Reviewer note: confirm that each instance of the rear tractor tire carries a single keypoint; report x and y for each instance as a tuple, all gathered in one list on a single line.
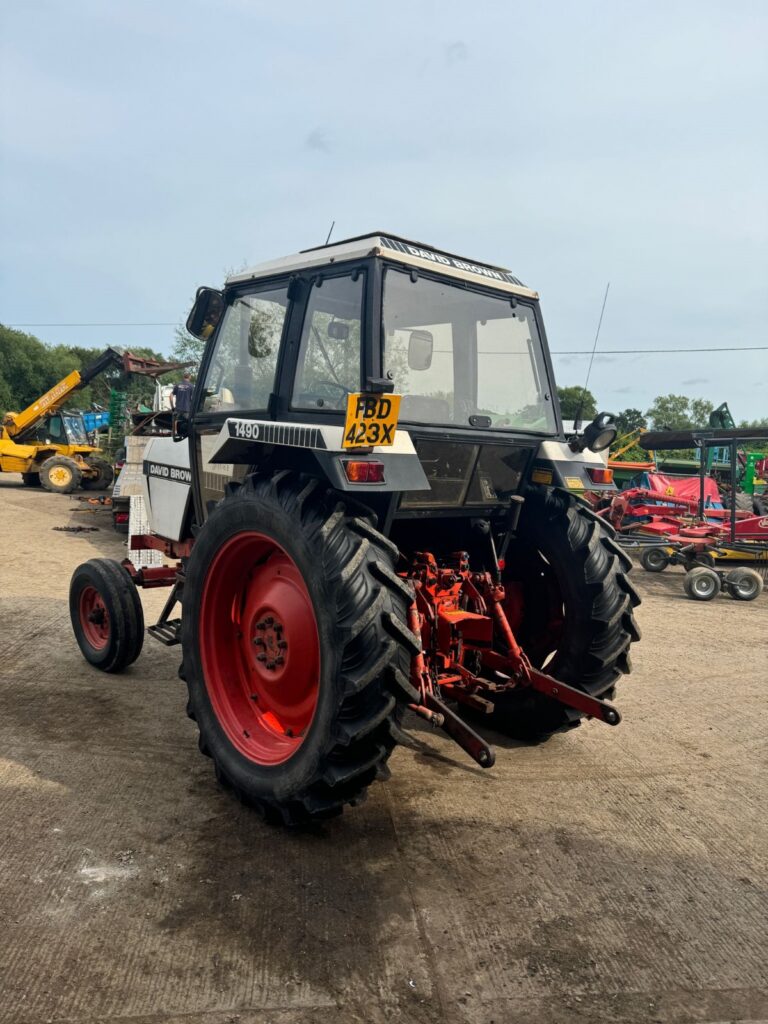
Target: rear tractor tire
[(296, 649), (104, 475), (570, 605), (106, 614), (701, 583), (60, 474), (654, 559)]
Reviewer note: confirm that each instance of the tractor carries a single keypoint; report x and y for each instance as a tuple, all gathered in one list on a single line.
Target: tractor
[(372, 512)]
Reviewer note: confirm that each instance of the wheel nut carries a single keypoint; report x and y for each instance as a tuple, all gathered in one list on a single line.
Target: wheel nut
[(268, 621), (261, 625), (261, 657), (279, 660), (282, 644)]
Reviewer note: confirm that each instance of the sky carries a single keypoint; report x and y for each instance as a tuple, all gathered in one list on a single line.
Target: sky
[(148, 148)]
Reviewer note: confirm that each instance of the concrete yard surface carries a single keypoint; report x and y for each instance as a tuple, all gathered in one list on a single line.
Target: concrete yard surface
[(610, 875)]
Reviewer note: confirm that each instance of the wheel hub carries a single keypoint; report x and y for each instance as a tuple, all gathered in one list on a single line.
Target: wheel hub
[(94, 618), (270, 643), (259, 647)]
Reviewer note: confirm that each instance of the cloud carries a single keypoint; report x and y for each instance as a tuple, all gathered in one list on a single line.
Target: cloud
[(622, 391), (318, 141), (695, 380), (455, 53)]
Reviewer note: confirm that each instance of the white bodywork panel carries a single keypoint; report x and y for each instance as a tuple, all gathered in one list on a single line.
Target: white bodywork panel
[(167, 482), (413, 254), (558, 451), (322, 437)]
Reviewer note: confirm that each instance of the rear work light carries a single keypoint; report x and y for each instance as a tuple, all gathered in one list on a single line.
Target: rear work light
[(600, 476), (364, 472)]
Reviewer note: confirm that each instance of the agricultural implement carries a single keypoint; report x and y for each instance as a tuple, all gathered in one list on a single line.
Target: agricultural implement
[(49, 446), (683, 521), (371, 509)]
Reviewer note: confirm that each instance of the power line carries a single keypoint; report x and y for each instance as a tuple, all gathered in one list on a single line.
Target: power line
[(169, 324), (647, 351), (555, 352)]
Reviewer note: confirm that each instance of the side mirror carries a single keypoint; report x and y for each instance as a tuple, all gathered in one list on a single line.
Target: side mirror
[(420, 347), (206, 313)]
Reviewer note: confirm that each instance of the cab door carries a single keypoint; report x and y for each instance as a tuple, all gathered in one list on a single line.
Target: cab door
[(237, 378)]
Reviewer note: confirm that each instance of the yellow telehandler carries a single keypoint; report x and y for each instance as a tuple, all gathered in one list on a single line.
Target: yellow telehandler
[(49, 446)]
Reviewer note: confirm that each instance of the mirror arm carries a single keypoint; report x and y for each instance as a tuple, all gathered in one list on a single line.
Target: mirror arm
[(379, 385)]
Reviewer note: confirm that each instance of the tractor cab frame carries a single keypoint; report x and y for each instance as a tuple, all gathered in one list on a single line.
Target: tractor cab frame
[(458, 347)]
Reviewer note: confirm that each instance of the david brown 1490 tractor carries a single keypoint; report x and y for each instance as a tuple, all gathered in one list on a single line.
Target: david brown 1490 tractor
[(372, 507)]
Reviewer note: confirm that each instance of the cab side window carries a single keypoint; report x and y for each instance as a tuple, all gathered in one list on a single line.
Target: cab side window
[(329, 357), (241, 374)]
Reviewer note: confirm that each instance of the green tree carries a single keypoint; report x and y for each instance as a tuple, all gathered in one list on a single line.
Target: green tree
[(630, 419), (575, 401), (678, 412), (29, 368), (187, 348)]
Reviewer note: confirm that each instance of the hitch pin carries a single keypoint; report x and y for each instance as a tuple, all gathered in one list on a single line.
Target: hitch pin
[(433, 717)]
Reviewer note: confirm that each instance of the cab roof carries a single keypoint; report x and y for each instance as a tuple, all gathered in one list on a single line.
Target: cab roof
[(392, 247)]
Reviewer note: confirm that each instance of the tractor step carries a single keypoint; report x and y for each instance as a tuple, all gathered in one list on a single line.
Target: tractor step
[(167, 632)]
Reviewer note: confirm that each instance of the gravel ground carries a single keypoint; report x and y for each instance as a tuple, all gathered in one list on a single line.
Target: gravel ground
[(609, 875)]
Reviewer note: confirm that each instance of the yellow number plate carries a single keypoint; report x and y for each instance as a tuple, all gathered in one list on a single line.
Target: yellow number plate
[(371, 420)]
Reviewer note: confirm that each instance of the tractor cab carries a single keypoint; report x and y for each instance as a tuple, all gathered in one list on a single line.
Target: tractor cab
[(65, 429), (431, 370)]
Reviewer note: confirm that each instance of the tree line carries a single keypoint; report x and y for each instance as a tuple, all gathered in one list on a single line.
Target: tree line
[(667, 412), (29, 368)]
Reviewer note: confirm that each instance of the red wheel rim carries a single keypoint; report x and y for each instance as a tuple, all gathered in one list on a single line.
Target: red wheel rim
[(94, 618), (259, 648)]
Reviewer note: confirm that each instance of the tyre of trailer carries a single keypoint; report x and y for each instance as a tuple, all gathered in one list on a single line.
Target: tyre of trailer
[(654, 559), (744, 584), (701, 583)]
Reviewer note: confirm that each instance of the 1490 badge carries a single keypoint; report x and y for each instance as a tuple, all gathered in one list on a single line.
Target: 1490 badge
[(371, 420)]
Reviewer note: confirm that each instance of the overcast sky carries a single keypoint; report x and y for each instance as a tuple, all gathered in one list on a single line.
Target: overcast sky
[(148, 148)]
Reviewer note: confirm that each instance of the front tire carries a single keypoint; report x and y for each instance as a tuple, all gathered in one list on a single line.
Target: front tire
[(296, 648), (570, 604), (106, 614), (60, 475)]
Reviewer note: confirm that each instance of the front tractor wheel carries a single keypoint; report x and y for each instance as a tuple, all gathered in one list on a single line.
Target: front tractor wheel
[(570, 604), (60, 474), (296, 648), (106, 614)]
